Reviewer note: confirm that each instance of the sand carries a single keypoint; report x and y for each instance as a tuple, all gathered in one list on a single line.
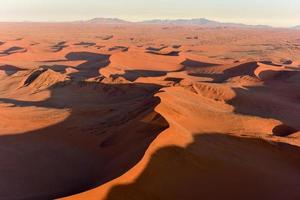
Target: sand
[(126, 111)]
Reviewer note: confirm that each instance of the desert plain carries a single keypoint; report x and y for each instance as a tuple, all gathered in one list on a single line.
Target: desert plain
[(148, 112)]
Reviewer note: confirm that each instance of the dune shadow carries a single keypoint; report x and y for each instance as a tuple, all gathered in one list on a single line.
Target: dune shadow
[(159, 53), (87, 149), (195, 68), (90, 68), (10, 69), (58, 68), (156, 48), (215, 167), (174, 79), (133, 75), (119, 48), (268, 102), (241, 70), (188, 63), (108, 130), (92, 63), (176, 46), (269, 62), (283, 130), (271, 75), (105, 37), (85, 44), (13, 50), (59, 46), (287, 62)]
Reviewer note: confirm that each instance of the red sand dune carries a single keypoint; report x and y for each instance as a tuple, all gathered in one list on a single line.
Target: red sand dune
[(144, 112)]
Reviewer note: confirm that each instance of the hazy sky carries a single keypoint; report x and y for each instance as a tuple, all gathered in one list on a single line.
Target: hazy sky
[(272, 12)]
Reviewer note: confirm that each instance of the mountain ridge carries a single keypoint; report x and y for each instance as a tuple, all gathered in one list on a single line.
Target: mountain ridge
[(180, 22), (199, 21), (184, 22)]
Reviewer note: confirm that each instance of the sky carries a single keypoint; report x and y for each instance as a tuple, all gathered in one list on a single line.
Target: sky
[(281, 13)]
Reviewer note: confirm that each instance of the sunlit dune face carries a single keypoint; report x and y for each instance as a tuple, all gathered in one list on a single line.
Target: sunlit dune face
[(20, 120)]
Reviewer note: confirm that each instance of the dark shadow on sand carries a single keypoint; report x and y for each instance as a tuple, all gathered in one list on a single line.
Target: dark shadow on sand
[(109, 128), (133, 75), (13, 50), (10, 69), (92, 63), (196, 68), (215, 167)]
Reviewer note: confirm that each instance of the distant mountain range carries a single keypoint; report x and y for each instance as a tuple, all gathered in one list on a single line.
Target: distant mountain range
[(195, 22), (200, 22), (177, 22), (107, 21)]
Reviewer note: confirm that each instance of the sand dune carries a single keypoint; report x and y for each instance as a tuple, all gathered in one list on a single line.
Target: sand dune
[(12, 50), (119, 48), (142, 111), (10, 69), (85, 44), (105, 37), (165, 53), (194, 174), (59, 46)]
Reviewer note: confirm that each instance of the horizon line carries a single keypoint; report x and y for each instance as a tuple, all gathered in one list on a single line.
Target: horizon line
[(144, 20)]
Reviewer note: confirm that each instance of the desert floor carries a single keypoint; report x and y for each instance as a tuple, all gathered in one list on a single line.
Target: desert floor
[(141, 112)]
